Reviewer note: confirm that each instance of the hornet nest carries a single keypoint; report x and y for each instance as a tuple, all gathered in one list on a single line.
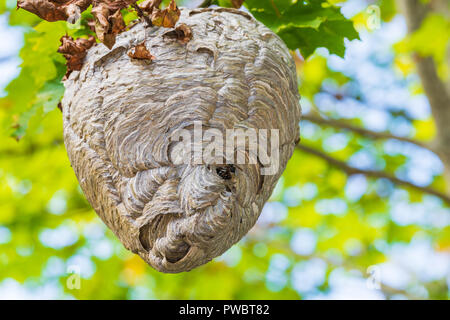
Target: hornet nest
[(120, 112)]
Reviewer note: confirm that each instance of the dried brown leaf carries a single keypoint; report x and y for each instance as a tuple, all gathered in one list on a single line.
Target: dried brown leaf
[(140, 52), (237, 3), (55, 10), (74, 51), (117, 23), (108, 19), (166, 18), (157, 17)]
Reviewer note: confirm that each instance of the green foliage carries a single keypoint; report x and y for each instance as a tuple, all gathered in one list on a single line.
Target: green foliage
[(38, 86), (305, 25), (431, 39), (387, 9)]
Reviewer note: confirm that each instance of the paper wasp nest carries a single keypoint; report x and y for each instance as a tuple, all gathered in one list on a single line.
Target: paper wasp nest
[(119, 114)]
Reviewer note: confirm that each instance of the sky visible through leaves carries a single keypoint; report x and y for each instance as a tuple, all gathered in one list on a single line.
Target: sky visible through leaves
[(324, 234)]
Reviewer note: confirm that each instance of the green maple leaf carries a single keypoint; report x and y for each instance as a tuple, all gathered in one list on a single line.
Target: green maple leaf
[(305, 25)]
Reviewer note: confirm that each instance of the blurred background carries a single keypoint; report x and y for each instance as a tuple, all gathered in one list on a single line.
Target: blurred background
[(361, 211)]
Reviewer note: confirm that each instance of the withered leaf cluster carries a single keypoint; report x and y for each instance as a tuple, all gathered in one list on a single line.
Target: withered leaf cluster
[(108, 17), (108, 22), (140, 52), (74, 51), (56, 10)]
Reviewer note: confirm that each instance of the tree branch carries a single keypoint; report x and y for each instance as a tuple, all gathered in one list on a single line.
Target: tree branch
[(437, 91), (364, 132), (29, 149), (370, 173)]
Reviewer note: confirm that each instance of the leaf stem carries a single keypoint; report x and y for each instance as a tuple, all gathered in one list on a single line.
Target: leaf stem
[(142, 15)]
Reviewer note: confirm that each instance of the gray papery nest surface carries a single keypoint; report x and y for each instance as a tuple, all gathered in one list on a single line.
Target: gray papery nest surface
[(120, 112)]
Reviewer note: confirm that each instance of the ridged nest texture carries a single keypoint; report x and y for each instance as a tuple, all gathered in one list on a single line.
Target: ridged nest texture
[(120, 112)]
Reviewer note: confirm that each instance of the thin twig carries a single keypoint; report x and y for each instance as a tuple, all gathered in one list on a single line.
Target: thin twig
[(371, 173), (142, 15), (364, 132)]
